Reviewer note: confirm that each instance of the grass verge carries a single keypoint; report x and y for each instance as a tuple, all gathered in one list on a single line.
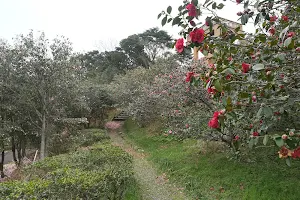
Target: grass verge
[(214, 176)]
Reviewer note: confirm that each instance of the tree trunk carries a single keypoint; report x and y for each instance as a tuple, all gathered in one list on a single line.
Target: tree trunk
[(19, 151), (43, 136), (23, 147), (13, 148), (2, 164)]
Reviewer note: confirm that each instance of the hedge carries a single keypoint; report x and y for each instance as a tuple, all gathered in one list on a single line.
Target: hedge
[(102, 172)]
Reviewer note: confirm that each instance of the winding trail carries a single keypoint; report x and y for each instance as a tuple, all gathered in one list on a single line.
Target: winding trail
[(154, 186)]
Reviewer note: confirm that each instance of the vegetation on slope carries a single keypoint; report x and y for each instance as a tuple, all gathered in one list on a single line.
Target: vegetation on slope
[(213, 175)]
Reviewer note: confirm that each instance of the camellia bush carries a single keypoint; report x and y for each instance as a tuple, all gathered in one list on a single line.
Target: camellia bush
[(163, 93), (252, 79)]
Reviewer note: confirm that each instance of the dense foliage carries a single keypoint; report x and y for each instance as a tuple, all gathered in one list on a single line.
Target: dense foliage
[(101, 171), (253, 82)]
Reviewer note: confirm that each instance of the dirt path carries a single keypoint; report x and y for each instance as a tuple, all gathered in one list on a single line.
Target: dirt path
[(154, 186)]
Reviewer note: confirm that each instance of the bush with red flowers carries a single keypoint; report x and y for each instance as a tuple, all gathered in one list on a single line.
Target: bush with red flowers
[(260, 78)]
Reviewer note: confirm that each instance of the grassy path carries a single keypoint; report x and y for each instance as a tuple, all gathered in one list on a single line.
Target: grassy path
[(153, 186)]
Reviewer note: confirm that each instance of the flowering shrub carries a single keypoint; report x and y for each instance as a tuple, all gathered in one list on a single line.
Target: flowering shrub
[(163, 93), (254, 78)]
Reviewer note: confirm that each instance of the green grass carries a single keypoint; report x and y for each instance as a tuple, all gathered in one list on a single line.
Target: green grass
[(133, 192), (203, 176)]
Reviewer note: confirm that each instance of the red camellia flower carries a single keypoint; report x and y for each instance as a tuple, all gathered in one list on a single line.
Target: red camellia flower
[(179, 45), (192, 10), (296, 153), (189, 76), (197, 35), (285, 18), (213, 123), (246, 67), (228, 76), (255, 134), (272, 30), (238, 1), (236, 138), (216, 114), (291, 34), (211, 91), (273, 18), (277, 113), (254, 98), (284, 152)]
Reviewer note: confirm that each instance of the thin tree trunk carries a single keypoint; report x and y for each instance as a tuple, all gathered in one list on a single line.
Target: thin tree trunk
[(2, 164), (43, 137), (19, 151), (13, 148), (23, 147)]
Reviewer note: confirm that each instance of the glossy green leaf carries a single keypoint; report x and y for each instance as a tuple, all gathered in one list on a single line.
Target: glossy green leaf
[(255, 140), (159, 15), (244, 19), (279, 141), (228, 71), (176, 20), (258, 67), (218, 85), (259, 113), (220, 6), (180, 8), (195, 2), (169, 9), (265, 140), (164, 20), (288, 161), (257, 18), (214, 5), (268, 112), (288, 41), (251, 143)]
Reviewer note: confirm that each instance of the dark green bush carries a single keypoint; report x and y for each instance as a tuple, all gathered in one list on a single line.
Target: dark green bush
[(77, 138), (91, 137), (100, 172)]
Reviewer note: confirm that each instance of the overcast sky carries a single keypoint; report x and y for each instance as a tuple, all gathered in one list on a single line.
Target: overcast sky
[(89, 23)]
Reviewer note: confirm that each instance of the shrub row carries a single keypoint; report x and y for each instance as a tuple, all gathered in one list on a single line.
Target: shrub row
[(78, 138), (98, 172)]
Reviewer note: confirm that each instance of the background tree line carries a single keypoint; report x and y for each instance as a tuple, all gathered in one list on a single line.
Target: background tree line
[(43, 81)]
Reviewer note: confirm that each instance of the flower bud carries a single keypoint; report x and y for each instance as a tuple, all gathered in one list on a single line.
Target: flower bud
[(222, 112), (284, 136)]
